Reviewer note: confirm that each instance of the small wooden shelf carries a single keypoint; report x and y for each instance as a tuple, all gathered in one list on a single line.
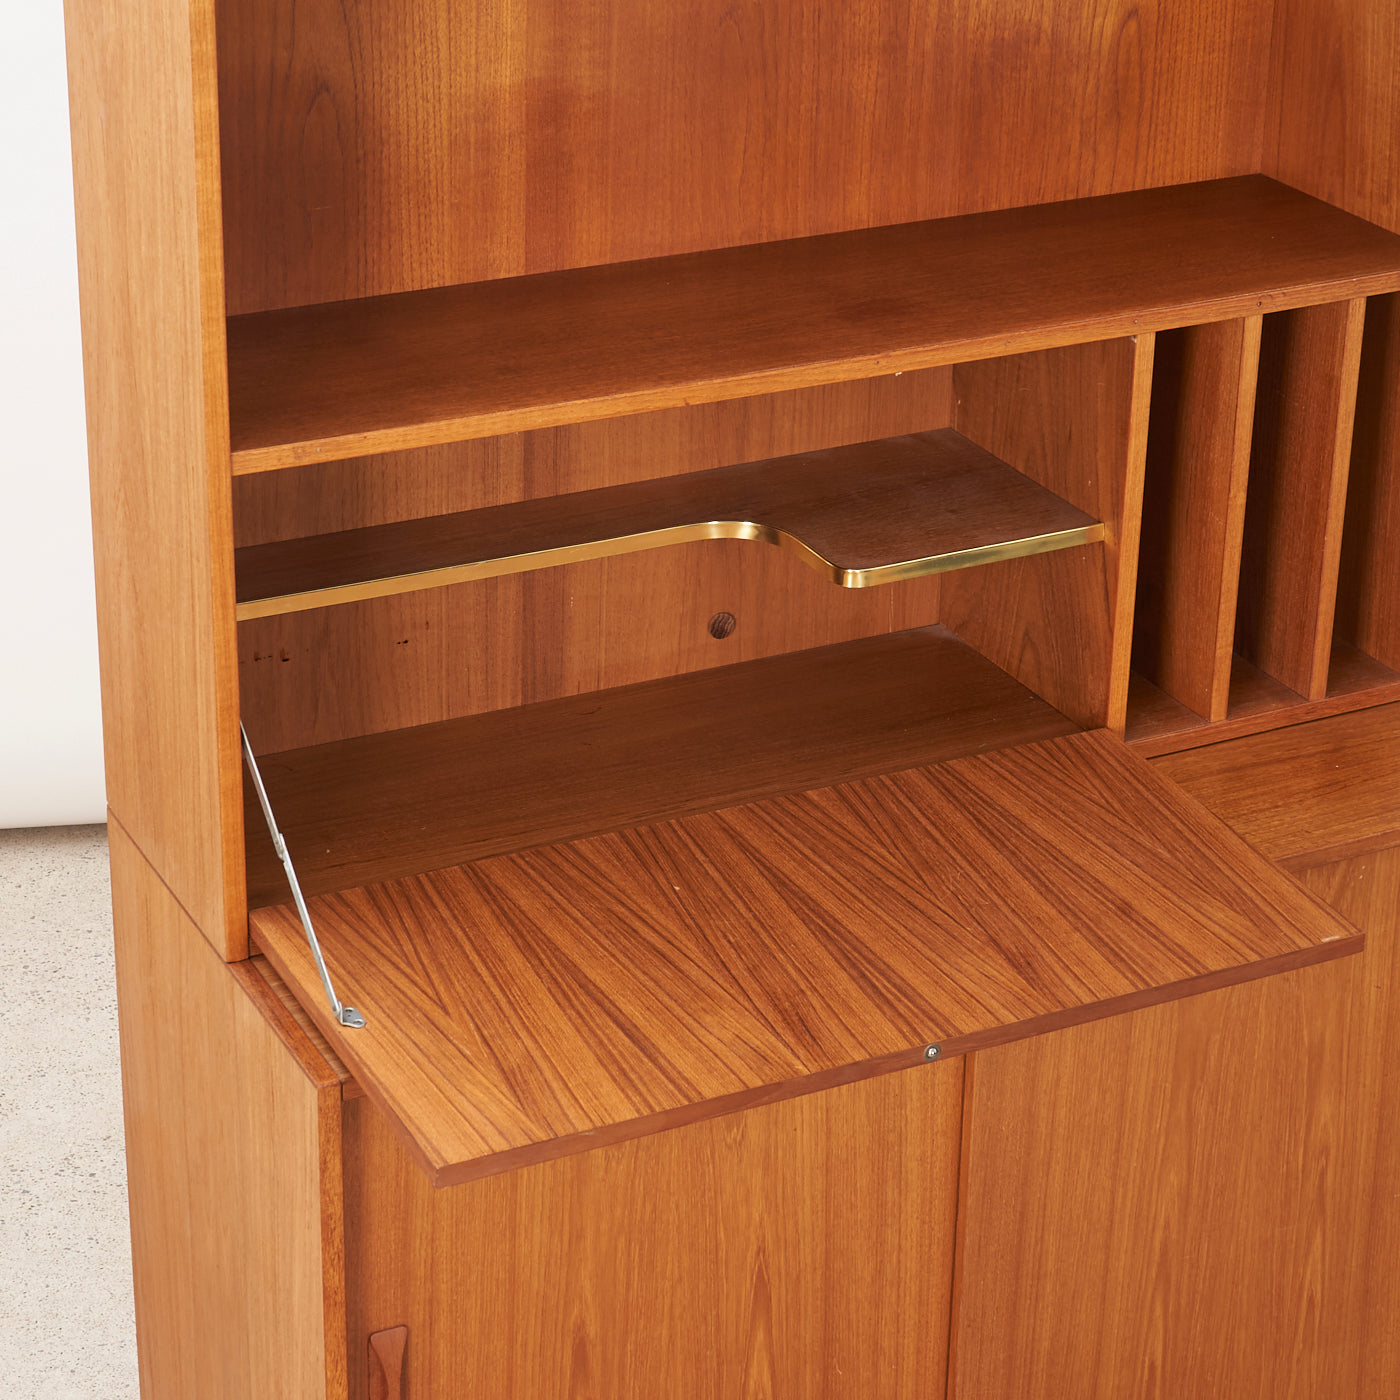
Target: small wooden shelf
[(383, 373), (1306, 796), (532, 1005), (1158, 724), (872, 513), (398, 803)]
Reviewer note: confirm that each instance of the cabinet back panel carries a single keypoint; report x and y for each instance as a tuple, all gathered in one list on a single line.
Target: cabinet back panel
[(311, 677), (428, 481), (1335, 107), (372, 149), (336, 673)]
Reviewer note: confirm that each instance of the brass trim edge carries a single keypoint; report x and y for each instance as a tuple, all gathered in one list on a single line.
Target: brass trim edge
[(895, 572)]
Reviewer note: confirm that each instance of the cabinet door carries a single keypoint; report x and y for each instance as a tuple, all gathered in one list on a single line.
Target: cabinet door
[(1191, 1200), (794, 1251), (233, 1171)]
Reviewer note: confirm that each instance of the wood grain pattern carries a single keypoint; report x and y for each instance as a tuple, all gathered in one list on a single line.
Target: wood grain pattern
[(1193, 510), (1368, 595), (796, 1250), (385, 487), (233, 1166), (1363, 1011), (416, 368), (1121, 1232), (861, 515), (1333, 106), (1075, 420), (1158, 724), (1314, 792), (259, 968), (1308, 366), (335, 673), (533, 1005), (1107, 95), (1353, 673), (529, 640), (1163, 1204), (371, 151), (414, 800), (146, 173)]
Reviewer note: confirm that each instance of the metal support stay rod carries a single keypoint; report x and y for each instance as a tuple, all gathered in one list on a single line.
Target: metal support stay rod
[(346, 1015)]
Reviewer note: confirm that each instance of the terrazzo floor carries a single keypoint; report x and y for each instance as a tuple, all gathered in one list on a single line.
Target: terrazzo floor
[(66, 1330)]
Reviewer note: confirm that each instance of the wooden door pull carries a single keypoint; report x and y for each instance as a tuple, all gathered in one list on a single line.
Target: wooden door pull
[(386, 1363)]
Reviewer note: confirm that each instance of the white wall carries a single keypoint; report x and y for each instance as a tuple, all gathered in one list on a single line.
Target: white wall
[(50, 732)]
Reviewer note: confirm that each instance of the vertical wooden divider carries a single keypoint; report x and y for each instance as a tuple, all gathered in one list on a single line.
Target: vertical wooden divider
[(1368, 592), (1193, 510), (1308, 365), (150, 267), (1075, 420)]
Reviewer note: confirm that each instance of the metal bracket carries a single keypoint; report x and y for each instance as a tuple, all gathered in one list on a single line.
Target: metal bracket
[(346, 1015)]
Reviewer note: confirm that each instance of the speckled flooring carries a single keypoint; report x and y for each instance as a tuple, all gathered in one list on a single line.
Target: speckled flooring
[(65, 1261)]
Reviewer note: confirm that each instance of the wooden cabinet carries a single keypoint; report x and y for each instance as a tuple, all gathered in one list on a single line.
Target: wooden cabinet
[(705, 513)]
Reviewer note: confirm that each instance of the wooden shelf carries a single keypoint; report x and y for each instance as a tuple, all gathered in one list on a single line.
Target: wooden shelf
[(532, 1005), (412, 800), (872, 513), (1324, 791), (383, 373), (1158, 724)]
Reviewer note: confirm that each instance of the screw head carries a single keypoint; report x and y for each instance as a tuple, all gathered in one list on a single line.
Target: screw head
[(933, 1052)]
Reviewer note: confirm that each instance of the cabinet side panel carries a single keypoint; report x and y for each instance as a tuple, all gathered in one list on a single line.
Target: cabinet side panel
[(790, 1251), (146, 172), (233, 1151), (1075, 420), (378, 148), (1190, 1200)]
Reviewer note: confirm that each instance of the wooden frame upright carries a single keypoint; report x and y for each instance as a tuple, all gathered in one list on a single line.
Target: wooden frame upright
[(745, 1014)]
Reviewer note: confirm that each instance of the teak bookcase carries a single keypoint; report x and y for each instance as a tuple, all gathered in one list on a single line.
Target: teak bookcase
[(816, 590)]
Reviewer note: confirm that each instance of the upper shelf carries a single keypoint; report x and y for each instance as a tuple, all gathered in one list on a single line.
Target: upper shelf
[(871, 513), (384, 373)]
